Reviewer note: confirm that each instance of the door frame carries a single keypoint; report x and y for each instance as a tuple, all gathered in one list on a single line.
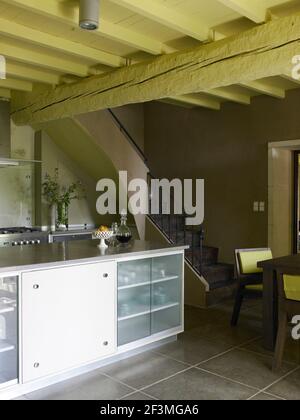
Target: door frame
[(296, 185)]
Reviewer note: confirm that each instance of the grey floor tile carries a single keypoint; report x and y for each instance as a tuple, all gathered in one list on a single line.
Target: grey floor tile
[(88, 387), (197, 385), (138, 396), (226, 334), (288, 388), (144, 369), (248, 368), (292, 350), (265, 397), (193, 350), (20, 399)]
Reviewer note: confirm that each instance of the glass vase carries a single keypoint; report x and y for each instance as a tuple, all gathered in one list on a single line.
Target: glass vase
[(62, 216)]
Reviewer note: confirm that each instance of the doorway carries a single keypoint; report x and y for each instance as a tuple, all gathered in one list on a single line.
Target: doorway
[(296, 210)]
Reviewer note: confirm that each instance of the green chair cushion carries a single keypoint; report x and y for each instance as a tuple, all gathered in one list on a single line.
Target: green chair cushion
[(250, 259), (255, 287), (292, 287)]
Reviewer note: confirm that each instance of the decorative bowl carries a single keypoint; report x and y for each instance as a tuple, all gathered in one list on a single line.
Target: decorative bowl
[(103, 236)]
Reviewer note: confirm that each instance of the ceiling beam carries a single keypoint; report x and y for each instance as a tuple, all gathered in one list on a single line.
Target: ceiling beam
[(16, 84), (23, 71), (234, 60), (230, 96), (5, 93), (26, 55), (43, 39), (265, 89), (195, 101), (290, 78), (168, 17), (69, 15), (251, 9)]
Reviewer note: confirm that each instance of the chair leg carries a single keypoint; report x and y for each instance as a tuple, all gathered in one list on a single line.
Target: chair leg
[(237, 306), (281, 339)]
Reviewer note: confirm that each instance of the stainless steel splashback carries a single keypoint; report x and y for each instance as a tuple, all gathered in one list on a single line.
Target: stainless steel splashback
[(5, 143)]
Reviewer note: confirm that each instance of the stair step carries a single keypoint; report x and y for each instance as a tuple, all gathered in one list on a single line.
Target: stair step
[(218, 275), (210, 255), (188, 238), (166, 222)]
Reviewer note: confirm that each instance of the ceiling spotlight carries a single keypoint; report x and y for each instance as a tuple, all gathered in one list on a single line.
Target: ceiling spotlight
[(89, 14)]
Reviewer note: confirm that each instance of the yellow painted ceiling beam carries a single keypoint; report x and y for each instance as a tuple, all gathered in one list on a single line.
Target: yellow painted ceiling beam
[(230, 96), (5, 93), (69, 15), (265, 89), (195, 101), (255, 54), (16, 84), (44, 60), (167, 16), (252, 9), (23, 71), (43, 39), (290, 78)]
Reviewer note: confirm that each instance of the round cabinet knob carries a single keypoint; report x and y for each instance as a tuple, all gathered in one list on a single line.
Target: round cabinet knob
[(36, 286), (36, 365), (105, 344), (105, 275)]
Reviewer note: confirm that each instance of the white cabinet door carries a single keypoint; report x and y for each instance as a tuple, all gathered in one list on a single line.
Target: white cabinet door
[(68, 318)]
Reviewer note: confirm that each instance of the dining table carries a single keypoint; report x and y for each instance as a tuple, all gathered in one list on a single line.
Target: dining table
[(270, 295)]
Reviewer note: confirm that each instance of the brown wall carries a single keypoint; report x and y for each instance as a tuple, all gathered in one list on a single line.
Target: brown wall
[(227, 148)]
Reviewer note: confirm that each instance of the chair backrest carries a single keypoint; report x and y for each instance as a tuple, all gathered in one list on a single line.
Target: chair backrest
[(246, 260), (289, 284)]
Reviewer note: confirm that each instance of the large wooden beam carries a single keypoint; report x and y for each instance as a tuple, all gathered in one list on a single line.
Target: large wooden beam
[(261, 52)]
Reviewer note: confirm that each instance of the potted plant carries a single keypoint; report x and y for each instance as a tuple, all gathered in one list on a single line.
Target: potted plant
[(60, 197)]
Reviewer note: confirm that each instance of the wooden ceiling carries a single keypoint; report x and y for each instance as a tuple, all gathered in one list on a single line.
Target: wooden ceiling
[(43, 43)]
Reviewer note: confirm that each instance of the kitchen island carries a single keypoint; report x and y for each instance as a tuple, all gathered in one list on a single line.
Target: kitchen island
[(69, 308)]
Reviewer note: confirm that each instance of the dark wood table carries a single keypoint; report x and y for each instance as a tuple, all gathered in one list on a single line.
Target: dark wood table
[(270, 304)]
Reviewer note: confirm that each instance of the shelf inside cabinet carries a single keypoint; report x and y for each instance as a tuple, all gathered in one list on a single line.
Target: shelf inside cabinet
[(132, 286), (153, 309), (4, 347), (165, 279), (5, 309)]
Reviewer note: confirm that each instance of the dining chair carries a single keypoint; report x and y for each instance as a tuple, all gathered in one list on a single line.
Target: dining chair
[(249, 276), (289, 305)]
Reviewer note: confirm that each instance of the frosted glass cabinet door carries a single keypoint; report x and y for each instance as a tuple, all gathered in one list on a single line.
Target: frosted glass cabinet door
[(166, 293), (134, 300), (8, 329)]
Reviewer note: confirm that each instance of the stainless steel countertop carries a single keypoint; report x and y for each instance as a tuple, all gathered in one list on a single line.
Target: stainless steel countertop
[(31, 257)]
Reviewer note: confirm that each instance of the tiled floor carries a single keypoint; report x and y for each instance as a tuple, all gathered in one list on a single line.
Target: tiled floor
[(210, 361)]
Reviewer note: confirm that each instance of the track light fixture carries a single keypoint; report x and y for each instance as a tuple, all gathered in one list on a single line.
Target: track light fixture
[(89, 14)]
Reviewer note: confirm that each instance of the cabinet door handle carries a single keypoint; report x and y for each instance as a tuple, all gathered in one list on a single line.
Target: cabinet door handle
[(105, 344), (36, 365), (36, 286), (106, 275)]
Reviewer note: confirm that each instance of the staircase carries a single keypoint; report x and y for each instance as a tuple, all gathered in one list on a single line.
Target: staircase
[(203, 259), (217, 278)]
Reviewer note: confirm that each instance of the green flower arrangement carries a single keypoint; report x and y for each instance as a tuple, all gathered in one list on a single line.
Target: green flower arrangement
[(61, 196)]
